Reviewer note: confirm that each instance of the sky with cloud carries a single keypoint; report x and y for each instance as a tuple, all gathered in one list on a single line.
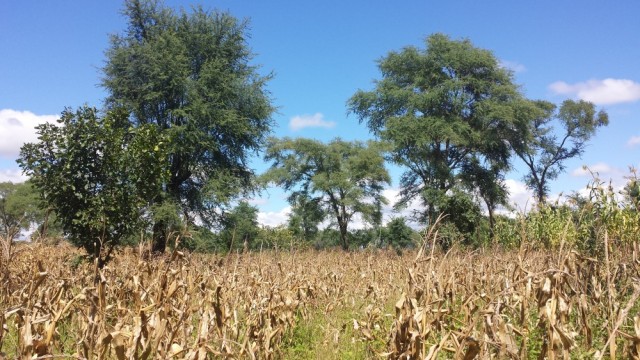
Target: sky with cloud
[(320, 53)]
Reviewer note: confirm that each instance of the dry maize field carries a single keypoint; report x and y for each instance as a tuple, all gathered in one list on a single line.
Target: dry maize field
[(524, 303)]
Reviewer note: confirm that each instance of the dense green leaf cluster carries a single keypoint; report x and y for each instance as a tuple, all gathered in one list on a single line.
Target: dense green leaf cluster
[(97, 173)]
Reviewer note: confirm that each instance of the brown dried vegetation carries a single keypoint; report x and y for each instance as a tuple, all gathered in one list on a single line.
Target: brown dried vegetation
[(480, 304)]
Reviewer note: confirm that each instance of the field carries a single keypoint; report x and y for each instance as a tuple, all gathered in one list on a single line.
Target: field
[(523, 303)]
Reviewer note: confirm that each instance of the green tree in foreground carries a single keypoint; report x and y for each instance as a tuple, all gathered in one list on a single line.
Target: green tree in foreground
[(447, 111), (577, 121), (97, 174), (189, 75), (346, 178)]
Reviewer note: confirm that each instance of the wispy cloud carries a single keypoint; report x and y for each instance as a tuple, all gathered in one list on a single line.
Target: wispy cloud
[(520, 197), (300, 122), (13, 175), (601, 92), (634, 141), (600, 168), (257, 201), (513, 66), (18, 128)]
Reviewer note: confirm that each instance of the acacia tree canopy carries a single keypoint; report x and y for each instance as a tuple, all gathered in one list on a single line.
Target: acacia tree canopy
[(189, 74), (445, 109), (558, 134), (345, 178)]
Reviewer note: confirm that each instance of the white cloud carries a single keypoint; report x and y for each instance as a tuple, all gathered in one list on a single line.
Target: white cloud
[(601, 92), (17, 128), (513, 66), (600, 168), (12, 175), (520, 197), (300, 122), (634, 141), (274, 218)]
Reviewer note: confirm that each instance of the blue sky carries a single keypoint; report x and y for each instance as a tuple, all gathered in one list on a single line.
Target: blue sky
[(321, 52)]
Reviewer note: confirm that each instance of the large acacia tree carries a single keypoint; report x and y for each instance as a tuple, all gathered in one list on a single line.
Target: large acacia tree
[(189, 74), (448, 110), (344, 178)]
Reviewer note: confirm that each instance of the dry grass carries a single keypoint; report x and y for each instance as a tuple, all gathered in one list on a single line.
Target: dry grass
[(525, 303)]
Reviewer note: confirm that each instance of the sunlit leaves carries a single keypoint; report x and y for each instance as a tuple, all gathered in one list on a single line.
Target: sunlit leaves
[(97, 173)]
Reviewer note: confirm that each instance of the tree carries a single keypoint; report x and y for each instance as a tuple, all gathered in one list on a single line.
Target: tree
[(240, 226), (189, 75), (445, 110), (547, 152), (345, 178), (398, 234), (98, 175), (20, 207), (490, 187), (306, 214)]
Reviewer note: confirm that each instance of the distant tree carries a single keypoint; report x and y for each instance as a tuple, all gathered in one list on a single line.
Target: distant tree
[(346, 178), (240, 226), (398, 234), (20, 207), (557, 135), (490, 186), (306, 214), (98, 175), (189, 75), (445, 110)]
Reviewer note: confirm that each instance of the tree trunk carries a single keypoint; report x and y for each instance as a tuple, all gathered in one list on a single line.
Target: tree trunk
[(540, 194), (159, 238), (343, 236), (492, 224)]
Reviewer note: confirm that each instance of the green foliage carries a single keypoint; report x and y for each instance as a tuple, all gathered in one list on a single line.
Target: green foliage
[(202, 240), (279, 238), (463, 222), (546, 152), (508, 232), (240, 227), (631, 190), (97, 173), (189, 75), (327, 238), (306, 214), (343, 178), (398, 234), (582, 222), (450, 113), (20, 207), (362, 238)]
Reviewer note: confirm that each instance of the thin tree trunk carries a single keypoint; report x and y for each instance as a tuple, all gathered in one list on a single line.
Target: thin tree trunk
[(159, 237), (343, 236)]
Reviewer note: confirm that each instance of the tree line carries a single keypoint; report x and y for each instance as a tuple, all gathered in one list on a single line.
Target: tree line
[(186, 110)]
